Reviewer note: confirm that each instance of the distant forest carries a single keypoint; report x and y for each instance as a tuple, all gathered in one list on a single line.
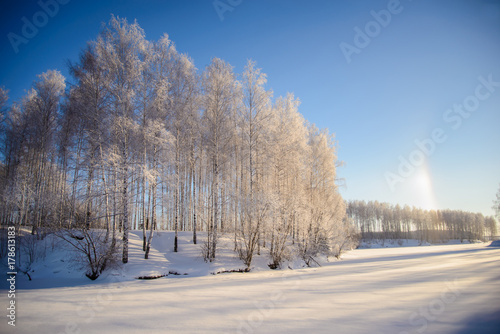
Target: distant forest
[(383, 221)]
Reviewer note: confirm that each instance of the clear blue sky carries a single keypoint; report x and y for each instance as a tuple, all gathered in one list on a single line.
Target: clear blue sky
[(395, 90)]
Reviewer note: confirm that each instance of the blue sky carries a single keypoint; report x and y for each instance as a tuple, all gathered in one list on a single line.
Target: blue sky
[(395, 90)]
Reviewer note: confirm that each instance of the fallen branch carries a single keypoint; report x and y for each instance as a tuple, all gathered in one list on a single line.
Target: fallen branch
[(314, 261)]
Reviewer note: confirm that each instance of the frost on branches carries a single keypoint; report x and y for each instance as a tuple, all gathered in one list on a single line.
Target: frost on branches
[(141, 139)]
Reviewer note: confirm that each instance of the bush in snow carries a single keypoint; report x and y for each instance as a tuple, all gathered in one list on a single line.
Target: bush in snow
[(95, 249), (32, 249), (344, 239)]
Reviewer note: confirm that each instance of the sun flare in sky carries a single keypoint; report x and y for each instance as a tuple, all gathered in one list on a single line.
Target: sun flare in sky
[(422, 188)]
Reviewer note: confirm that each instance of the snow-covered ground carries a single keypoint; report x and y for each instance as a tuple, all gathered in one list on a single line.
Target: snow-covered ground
[(433, 289)]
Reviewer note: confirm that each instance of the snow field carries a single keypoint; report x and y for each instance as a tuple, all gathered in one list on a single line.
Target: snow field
[(434, 289)]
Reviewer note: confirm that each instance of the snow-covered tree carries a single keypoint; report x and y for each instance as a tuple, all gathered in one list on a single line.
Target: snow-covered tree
[(40, 114), (288, 154), (253, 119), (4, 98), (220, 94), (325, 207), (4, 111), (119, 48)]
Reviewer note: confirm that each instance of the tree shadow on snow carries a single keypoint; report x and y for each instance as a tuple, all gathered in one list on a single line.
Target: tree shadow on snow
[(495, 243)]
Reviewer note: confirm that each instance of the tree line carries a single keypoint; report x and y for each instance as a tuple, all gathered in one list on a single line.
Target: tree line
[(384, 221), (139, 138)]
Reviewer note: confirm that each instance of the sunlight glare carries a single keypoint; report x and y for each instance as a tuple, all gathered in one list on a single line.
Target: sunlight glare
[(423, 189)]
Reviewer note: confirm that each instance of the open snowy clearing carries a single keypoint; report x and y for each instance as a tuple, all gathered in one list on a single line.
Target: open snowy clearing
[(433, 289)]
